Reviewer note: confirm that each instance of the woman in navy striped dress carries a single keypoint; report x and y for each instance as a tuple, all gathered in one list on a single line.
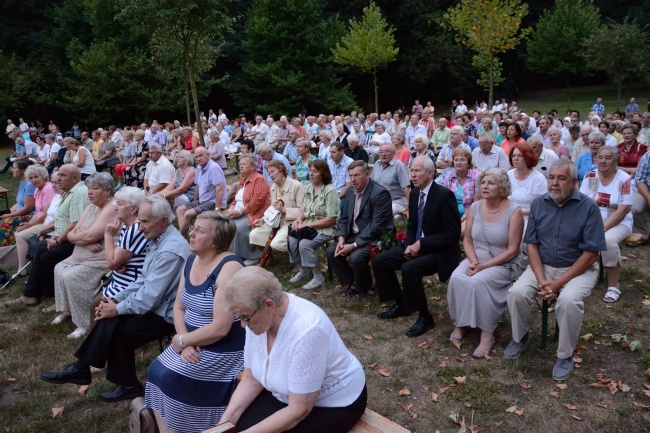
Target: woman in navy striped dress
[(190, 383)]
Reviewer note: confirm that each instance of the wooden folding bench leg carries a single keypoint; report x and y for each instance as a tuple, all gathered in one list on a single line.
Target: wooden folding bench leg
[(372, 422)]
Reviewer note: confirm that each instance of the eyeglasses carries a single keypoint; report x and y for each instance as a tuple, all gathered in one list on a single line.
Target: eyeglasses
[(247, 319)]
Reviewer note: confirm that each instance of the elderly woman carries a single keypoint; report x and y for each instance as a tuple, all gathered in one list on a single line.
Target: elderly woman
[(287, 197), (180, 190), (610, 188), (326, 139), (319, 212), (421, 149), (106, 154), (126, 153), (298, 374), (134, 173), (304, 158), (217, 150), (586, 162), (461, 180), (190, 141), (561, 150), (251, 200), (402, 153), (630, 149), (82, 158), (604, 127), (526, 183), (43, 150), (478, 287), (76, 278), (190, 383), (22, 211), (248, 147), (513, 136)]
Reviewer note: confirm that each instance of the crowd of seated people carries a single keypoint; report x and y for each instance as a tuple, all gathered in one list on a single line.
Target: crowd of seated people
[(498, 185)]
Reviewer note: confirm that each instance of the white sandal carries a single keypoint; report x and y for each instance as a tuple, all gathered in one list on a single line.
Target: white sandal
[(77, 333), (60, 319), (612, 295)]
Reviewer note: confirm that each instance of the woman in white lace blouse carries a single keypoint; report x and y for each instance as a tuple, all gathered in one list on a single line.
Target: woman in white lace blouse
[(298, 374)]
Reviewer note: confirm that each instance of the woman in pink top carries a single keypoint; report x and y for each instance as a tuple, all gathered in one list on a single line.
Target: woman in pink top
[(561, 150), (401, 152), (513, 136)]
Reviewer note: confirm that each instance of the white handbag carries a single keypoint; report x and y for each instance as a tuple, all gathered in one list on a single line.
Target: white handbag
[(272, 217)]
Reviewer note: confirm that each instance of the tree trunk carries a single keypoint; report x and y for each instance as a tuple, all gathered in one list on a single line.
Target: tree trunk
[(491, 81), (374, 80), (195, 99), (187, 102), (618, 94)]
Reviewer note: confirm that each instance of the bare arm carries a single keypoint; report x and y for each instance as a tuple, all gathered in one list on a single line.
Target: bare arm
[(95, 232), (615, 219), (247, 391), (28, 206)]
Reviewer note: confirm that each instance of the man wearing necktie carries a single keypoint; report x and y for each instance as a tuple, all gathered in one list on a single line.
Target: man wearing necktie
[(431, 246)]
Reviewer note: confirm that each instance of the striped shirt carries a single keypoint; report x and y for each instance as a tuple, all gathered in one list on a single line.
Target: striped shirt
[(132, 240)]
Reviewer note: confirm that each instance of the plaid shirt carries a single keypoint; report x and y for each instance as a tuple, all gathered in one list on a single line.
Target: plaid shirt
[(598, 108), (643, 170), (469, 188)]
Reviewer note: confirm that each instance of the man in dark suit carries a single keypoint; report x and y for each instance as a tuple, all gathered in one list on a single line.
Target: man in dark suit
[(369, 210), (431, 246)]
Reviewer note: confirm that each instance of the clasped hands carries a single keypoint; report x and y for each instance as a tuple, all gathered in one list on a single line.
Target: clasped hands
[(190, 354), (549, 290), (343, 249), (106, 309)]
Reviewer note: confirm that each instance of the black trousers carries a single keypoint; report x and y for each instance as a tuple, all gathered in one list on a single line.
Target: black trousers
[(7, 166), (319, 420), (40, 283), (411, 297), (112, 343), (356, 269)]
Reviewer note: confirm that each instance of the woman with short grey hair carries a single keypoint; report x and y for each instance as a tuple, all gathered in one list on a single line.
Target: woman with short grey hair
[(77, 278), (586, 162), (304, 373), (180, 190)]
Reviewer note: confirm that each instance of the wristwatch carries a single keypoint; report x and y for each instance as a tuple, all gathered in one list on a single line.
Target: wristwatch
[(354, 244)]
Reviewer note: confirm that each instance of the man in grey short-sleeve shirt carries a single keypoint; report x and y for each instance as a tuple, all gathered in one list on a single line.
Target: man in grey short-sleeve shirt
[(392, 175), (564, 235)]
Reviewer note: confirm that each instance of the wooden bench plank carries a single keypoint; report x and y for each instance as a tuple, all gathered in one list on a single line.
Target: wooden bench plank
[(372, 422), (634, 238)]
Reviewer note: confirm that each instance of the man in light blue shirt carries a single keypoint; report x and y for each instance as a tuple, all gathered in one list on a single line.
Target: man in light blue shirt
[(141, 313), (268, 154), (338, 164), (414, 129), (598, 107), (290, 149)]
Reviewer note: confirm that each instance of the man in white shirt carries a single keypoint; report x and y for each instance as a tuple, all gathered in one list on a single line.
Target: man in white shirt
[(159, 172), (378, 138), (462, 108), (222, 115), (116, 136), (147, 132), (414, 129), (542, 132), (10, 128), (487, 155), (24, 127), (273, 134), (258, 132), (211, 115), (224, 138), (546, 157)]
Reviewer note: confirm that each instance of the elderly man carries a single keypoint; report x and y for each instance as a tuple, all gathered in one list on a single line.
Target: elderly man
[(10, 128), (440, 136), (159, 172), (582, 144), (368, 212), (355, 150), (428, 122), (542, 131), (446, 155), (378, 138), (141, 313), (357, 129), (209, 194), (290, 151), (545, 157), (147, 132), (431, 246), (564, 235), (414, 129), (392, 175), (86, 141), (338, 164), (461, 108), (273, 134), (487, 155), (74, 199), (158, 137), (641, 200), (266, 152), (257, 132), (285, 129)]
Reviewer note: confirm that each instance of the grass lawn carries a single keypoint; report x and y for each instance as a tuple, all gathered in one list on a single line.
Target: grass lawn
[(418, 383), (582, 98)]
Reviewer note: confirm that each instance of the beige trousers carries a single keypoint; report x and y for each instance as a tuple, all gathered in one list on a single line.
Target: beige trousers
[(22, 238), (259, 236), (569, 308), (614, 237)]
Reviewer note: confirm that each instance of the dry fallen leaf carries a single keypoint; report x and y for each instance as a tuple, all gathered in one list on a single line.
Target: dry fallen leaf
[(384, 373), (11, 379), (511, 409), (524, 385), (441, 317), (646, 386), (15, 328), (647, 372), (555, 394), (83, 389), (457, 344), (577, 418), (488, 357), (389, 389), (646, 302), (623, 387), (434, 397), (561, 386), (404, 391), (587, 337), (468, 404), (367, 337), (613, 387), (646, 392), (641, 406), (577, 360), (460, 379), (604, 406), (499, 423), (441, 390), (373, 366), (57, 411), (459, 359), (406, 407), (424, 345), (598, 385), (570, 406), (442, 364), (519, 412)]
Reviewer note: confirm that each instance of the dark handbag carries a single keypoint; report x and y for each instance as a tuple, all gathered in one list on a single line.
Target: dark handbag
[(36, 247), (304, 233)]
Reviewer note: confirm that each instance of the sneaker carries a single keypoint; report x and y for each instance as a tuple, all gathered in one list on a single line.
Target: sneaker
[(298, 277), (314, 284), (514, 349), (563, 368)]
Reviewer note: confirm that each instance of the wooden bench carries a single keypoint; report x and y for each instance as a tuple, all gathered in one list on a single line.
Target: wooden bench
[(4, 193), (370, 422)]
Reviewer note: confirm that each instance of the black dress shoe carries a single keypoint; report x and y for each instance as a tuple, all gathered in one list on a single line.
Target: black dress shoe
[(121, 392), (422, 325), (393, 312), (349, 291), (70, 374)]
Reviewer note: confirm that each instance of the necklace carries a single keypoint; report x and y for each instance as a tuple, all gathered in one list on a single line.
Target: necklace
[(494, 211)]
